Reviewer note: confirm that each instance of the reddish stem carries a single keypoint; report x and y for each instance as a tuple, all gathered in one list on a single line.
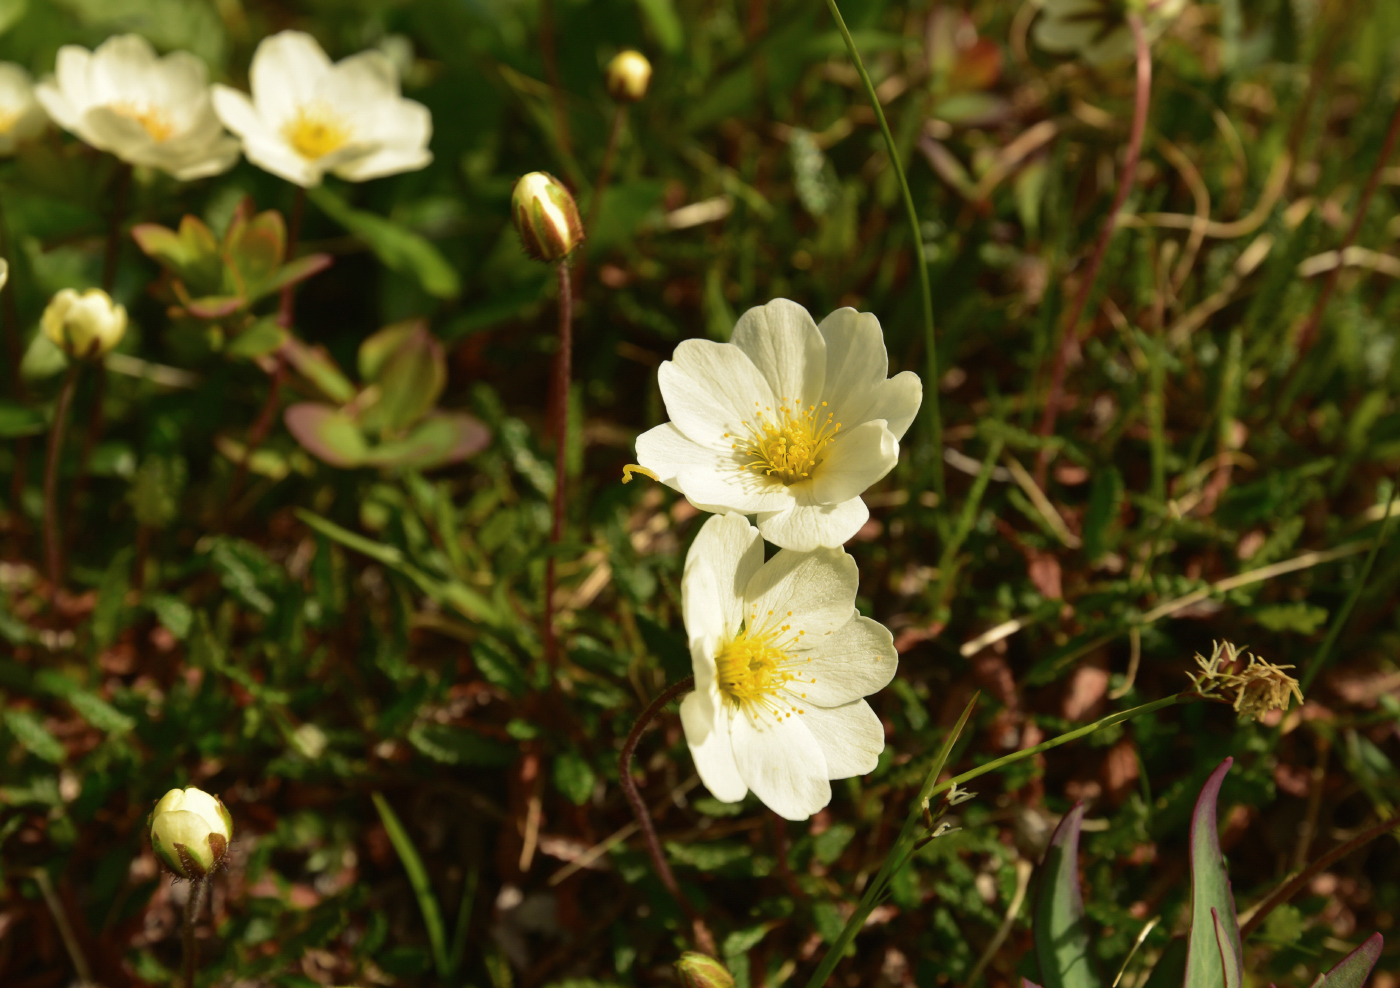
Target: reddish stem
[(563, 371), (704, 940), (286, 313), (53, 528), (1086, 286), (1309, 330)]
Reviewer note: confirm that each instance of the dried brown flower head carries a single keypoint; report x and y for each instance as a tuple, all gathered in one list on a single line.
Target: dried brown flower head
[(1253, 690)]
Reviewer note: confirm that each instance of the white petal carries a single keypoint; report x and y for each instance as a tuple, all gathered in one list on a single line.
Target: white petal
[(782, 763), (286, 70), (57, 105), (851, 737), (389, 161), (711, 389), (71, 78), (218, 158), (783, 342), (705, 719), (856, 366), (815, 592), (665, 451), (277, 158), (852, 463), (897, 402), (237, 113), (808, 526), (121, 70), (729, 487), (722, 560), (856, 660)]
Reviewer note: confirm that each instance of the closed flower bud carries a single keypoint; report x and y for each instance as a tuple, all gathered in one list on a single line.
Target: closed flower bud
[(86, 325), (629, 75), (546, 217), (703, 971), (190, 831)]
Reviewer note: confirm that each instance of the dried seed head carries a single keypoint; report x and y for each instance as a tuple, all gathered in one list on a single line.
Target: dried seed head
[(1254, 690)]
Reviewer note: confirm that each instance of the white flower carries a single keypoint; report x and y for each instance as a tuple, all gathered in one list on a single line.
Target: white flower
[(791, 421), (86, 325), (782, 661), (308, 117), (190, 831), (1098, 30), (21, 117), (125, 99)]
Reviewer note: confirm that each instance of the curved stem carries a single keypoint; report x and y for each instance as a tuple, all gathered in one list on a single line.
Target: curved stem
[(563, 371), (1126, 177), (935, 416), (704, 940), (605, 169), (193, 905), (53, 528)]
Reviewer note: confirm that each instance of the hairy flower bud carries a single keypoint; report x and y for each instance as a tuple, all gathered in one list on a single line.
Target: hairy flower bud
[(703, 971), (190, 831), (628, 75), (546, 217), (86, 325)]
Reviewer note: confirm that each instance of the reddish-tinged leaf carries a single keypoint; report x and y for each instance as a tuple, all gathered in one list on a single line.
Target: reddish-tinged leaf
[(1061, 939), (320, 371), (296, 272), (1230, 964), (1353, 969), (327, 434), (442, 438), (1210, 893)]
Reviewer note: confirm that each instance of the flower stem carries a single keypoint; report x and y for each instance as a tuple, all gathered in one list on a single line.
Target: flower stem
[(704, 940), (935, 415), (198, 890), (1126, 177), (562, 374), (605, 169), (114, 227), (904, 845), (286, 312), (53, 528)]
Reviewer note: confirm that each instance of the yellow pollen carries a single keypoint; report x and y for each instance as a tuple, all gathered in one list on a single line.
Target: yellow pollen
[(315, 131), (8, 118), (755, 670), (153, 119), (788, 445)]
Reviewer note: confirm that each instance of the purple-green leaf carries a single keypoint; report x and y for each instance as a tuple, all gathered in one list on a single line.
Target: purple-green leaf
[(1353, 969), (441, 438), (1211, 899), (1061, 939), (410, 381), (320, 371), (328, 434)]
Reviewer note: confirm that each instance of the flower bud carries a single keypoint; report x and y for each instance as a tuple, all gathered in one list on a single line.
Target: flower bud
[(190, 831), (628, 75), (86, 325), (545, 217), (703, 971)]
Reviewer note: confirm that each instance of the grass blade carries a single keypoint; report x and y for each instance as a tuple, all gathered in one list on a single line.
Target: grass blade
[(418, 878), (1061, 939)]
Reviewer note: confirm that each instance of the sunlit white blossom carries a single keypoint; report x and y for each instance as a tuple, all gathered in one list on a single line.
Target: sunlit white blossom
[(791, 421), (21, 116), (782, 663), (149, 110), (308, 116)]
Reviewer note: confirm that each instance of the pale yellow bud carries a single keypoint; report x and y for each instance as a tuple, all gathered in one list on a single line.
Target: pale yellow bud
[(703, 971), (546, 217), (628, 75), (86, 325), (190, 832)]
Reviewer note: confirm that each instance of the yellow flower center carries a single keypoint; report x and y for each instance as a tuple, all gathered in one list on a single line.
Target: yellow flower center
[(8, 118), (788, 445), (153, 119), (316, 131), (756, 670)]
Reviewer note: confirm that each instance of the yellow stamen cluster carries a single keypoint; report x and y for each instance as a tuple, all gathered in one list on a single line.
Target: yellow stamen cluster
[(8, 118), (788, 445), (1254, 690), (153, 119), (316, 131), (759, 665)]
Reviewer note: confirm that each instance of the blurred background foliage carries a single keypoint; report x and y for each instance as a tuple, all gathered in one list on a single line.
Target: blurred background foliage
[(303, 640)]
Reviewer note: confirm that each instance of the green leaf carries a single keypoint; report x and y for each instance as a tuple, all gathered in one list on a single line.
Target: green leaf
[(665, 23), (440, 439), (1211, 897), (1297, 616), (397, 246), (455, 746), (111, 597), (418, 878), (174, 615), (30, 732), (828, 845), (1105, 502), (1061, 939), (91, 707), (574, 777), (1353, 969), (410, 381), (328, 434), (257, 340), (11, 11), (17, 420), (316, 365)]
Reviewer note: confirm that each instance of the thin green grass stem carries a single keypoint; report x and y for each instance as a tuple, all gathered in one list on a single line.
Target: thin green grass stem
[(422, 887), (1324, 651), (903, 849), (931, 409), (947, 562)]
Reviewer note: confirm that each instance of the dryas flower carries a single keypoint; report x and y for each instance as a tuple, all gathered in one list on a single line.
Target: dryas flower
[(86, 325), (307, 117), (546, 217), (21, 117), (190, 832), (702, 971), (791, 421), (125, 99), (782, 663), (628, 76), (1097, 30)]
